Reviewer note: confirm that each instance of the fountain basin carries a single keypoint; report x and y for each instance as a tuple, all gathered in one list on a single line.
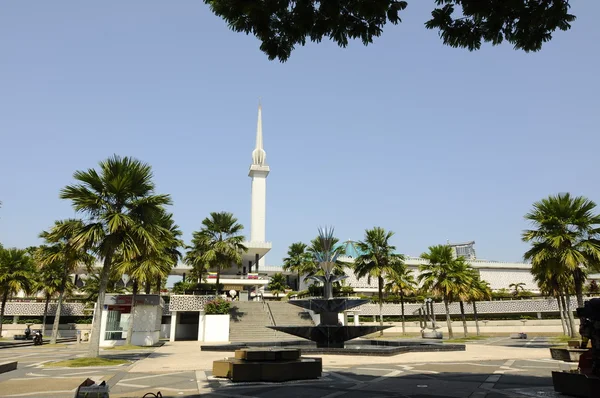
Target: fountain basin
[(329, 336), (356, 347)]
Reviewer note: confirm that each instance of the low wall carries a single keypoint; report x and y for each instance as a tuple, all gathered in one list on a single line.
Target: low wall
[(516, 306), (69, 330), (26, 308), (550, 326)]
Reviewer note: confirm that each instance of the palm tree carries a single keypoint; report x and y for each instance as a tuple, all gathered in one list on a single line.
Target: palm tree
[(441, 276), (91, 285), (122, 212), (557, 285), (377, 260), (464, 275), (277, 284), (519, 286), (401, 282), (152, 265), (61, 252), (218, 244), (566, 229), (298, 260), (479, 290), (49, 282), (17, 273)]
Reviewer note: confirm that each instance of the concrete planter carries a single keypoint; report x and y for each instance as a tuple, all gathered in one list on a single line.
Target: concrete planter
[(216, 328), (576, 384), (567, 354)]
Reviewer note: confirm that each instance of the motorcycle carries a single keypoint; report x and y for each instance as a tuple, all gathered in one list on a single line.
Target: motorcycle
[(37, 338)]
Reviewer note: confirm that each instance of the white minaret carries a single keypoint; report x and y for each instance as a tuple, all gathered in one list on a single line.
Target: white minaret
[(258, 172)]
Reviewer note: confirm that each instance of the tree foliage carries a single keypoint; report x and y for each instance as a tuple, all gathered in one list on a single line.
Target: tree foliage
[(281, 25), (377, 259), (277, 284), (122, 216), (565, 239), (17, 272), (217, 245)]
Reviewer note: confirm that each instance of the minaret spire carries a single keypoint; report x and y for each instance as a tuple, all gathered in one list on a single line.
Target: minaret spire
[(259, 155)]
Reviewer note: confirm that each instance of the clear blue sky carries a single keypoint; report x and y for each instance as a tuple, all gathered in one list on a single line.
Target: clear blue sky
[(431, 142)]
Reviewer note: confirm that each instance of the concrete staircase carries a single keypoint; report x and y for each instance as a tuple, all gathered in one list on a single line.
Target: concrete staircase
[(249, 320), (286, 314)]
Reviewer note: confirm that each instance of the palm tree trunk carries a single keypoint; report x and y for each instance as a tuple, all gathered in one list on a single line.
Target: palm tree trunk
[(565, 315), (130, 325), (4, 299), (402, 306), (464, 319), (218, 280), (563, 322), (448, 320), (57, 317), (147, 287), (298, 282), (380, 284), (94, 348), (476, 317), (579, 279), (61, 295), (45, 314), (570, 314), (158, 284)]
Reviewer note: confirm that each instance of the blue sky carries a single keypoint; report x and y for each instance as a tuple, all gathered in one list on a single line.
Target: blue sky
[(431, 142)]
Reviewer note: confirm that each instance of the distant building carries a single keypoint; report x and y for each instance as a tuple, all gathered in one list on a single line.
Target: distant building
[(466, 250)]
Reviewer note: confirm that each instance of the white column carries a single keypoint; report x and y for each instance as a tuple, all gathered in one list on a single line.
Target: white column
[(173, 325), (356, 320), (103, 320), (201, 325), (258, 219)]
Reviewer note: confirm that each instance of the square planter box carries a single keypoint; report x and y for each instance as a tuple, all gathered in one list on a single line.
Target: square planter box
[(576, 384), (216, 328)]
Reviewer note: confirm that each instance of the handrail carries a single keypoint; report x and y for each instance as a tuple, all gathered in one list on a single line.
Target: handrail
[(271, 317)]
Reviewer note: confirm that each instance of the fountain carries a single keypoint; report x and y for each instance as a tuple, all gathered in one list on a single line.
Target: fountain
[(330, 336), (329, 333)]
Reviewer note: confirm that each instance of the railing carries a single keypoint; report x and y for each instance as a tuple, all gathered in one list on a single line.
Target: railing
[(271, 317), (236, 277)]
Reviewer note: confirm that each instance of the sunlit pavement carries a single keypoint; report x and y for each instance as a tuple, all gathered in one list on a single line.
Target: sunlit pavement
[(344, 377)]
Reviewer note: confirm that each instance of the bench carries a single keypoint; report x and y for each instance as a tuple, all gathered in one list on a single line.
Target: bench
[(8, 366)]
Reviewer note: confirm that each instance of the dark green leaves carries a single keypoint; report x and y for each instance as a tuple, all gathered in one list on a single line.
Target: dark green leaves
[(280, 25), (526, 24)]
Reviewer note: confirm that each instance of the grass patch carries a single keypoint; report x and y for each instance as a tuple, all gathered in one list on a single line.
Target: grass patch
[(562, 339), (129, 347), (466, 339), (84, 362)]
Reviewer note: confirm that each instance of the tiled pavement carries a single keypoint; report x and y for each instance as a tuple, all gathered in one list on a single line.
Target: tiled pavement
[(468, 379)]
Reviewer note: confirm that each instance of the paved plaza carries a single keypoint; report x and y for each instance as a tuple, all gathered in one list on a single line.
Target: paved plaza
[(492, 368)]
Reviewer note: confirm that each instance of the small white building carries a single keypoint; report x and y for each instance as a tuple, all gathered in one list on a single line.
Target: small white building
[(119, 310)]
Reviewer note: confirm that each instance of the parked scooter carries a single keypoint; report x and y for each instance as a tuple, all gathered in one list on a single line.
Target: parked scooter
[(37, 337)]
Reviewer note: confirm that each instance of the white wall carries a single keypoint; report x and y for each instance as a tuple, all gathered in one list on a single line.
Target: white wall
[(501, 279), (146, 326), (216, 328)]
